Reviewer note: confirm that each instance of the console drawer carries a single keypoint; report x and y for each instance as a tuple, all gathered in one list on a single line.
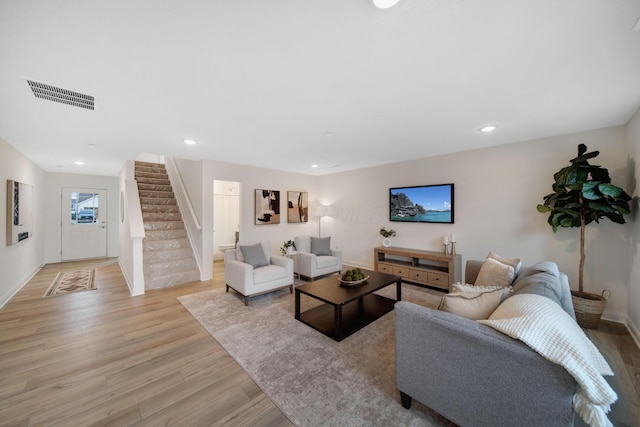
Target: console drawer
[(418, 275), (438, 279), (385, 268), (401, 271)]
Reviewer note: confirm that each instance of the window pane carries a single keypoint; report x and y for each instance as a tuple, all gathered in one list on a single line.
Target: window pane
[(84, 208)]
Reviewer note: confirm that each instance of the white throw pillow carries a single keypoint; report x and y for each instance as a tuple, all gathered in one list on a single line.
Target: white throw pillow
[(495, 273), (516, 263), (459, 287), (472, 305)]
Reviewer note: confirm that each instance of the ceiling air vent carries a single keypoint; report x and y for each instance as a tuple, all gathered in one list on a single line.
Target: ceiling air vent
[(64, 96)]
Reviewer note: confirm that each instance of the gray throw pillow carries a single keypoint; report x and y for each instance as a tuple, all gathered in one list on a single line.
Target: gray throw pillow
[(254, 255), (321, 245), (540, 283)]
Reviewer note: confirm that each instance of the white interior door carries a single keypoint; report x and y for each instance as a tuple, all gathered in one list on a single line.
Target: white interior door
[(84, 223)]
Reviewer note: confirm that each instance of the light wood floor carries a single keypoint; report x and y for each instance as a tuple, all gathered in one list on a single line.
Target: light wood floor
[(105, 358)]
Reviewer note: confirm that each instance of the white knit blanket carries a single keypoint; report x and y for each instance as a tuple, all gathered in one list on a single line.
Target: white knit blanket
[(545, 327)]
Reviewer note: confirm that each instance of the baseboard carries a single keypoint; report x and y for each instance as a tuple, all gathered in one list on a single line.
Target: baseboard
[(634, 331), (14, 290), (127, 280), (614, 317)]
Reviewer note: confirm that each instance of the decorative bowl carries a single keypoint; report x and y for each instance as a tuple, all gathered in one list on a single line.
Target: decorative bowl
[(353, 282)]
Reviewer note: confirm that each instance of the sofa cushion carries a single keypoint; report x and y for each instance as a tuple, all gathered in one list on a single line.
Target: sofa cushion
[(268, 273), (324, 261), (516, 263), (542, 266), (459, 287), (472, 305), (303, 243), (254, 255), (495, 273), (543, 279), (321, 245)]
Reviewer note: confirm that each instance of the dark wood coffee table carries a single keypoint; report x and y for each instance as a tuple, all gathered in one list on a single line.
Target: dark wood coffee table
[(346, 309)]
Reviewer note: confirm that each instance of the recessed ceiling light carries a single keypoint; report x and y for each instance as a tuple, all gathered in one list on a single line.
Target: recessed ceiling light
[(490, 128), (384, 4), (79, 162), (314, 165), (93, 146), (189, 142)]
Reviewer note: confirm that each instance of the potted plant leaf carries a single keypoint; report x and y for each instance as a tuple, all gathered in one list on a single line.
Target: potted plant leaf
[(287, 247), (583, 193), (386, 242)]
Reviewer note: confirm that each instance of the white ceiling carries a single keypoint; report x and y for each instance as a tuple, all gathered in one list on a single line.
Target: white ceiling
[(284, 84)]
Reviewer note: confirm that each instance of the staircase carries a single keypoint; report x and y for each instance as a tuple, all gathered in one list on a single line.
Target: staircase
[(168, 257)]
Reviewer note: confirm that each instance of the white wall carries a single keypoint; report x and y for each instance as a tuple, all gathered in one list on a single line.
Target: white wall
[(52, 191), (19, 262), (633, 137), (250, 179), (496, 193)]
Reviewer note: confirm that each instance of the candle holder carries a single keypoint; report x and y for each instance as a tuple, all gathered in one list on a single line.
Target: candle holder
[(445, 248), (453, 249)]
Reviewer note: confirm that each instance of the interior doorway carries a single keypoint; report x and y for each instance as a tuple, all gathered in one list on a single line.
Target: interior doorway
[(226, 216)]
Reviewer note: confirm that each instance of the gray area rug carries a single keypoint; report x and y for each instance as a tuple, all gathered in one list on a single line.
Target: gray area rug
[(313, 379)]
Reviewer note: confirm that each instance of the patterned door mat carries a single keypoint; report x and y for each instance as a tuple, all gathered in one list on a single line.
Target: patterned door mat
[(72, 281)]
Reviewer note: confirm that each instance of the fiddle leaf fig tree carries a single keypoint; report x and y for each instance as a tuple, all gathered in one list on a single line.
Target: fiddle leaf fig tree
[(583, 193)]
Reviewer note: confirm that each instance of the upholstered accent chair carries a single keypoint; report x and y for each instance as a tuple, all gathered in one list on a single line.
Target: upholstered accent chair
[(251, 270), (314, 257)]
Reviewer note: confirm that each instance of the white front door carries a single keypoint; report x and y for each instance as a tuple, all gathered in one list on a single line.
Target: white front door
[(84, 223)]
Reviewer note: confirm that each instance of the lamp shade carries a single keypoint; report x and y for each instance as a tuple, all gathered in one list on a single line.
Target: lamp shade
[(321, 211)]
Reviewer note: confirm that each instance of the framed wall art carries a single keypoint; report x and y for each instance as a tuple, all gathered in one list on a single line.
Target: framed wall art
[(19, 211), (267, 207), (297, 206)]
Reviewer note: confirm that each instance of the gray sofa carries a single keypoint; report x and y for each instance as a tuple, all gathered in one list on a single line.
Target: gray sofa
[(476, 376)]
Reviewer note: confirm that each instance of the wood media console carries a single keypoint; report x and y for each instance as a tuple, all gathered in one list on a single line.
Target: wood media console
[(427, 268)]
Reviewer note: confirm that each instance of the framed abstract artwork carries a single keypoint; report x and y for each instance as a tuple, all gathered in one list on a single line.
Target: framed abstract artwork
[(267, 207), (297, 206), (19, 211)]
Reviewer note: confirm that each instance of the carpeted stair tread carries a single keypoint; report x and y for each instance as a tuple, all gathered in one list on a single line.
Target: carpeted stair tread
[(155, 194), (142, 186), (162, 268), (172, 279), (159, 208), (152, 235), (148, 164), (152, 180), (165, 244), (162, 256), (154, 175), (157, 201), (161, 216), (164, 225)]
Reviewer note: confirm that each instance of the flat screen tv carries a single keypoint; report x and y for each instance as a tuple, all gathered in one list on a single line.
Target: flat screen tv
[(424, 203)]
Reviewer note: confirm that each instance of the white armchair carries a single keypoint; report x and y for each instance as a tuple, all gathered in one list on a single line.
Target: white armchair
[(251, 270), (314, 257)]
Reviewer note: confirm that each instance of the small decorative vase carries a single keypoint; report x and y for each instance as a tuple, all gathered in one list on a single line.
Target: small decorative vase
[(289, 249), (386, 242)]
